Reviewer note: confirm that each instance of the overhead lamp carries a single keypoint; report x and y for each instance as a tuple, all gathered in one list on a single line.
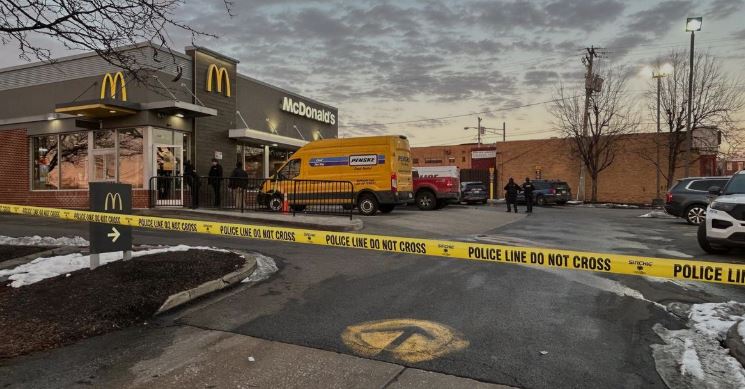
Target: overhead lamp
[(80, 114), (694, 24), (112, 111), (51, 116), (180, 115)]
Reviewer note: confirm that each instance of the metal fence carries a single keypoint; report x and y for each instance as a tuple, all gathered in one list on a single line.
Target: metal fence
[(251, 194)]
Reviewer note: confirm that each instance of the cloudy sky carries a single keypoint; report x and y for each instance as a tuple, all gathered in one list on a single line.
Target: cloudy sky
[(387, 62)]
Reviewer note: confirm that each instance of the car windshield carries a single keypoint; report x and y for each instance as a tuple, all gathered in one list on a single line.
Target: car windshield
[(736, 185), (561, 185)]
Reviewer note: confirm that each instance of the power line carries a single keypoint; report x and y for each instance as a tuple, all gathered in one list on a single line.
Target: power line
[(457, 116)]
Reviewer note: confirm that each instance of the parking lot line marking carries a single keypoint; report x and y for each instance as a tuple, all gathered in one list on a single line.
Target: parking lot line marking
[(682, 269)]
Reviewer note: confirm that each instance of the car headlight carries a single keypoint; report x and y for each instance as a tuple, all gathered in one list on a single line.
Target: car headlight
[(720, 206)]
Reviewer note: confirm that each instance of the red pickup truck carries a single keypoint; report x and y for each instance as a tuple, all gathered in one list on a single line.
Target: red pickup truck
[(436, 187)]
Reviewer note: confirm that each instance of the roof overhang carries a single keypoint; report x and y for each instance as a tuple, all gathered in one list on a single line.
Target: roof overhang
[(98, 109), (265, 138), (177, 107)]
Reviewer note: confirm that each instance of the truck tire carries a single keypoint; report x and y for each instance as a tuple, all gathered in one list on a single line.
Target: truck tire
[(540, 200), (275, 203), (704, 243), (386, 208), (426, 200), (367, 204)]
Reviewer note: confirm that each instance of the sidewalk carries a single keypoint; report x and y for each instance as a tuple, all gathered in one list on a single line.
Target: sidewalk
[(318, 222), (179, 356)]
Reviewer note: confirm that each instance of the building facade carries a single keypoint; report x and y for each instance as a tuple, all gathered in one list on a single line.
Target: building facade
[(81, 120), (632, 178)]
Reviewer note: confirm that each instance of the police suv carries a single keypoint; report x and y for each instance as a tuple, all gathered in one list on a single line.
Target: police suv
[(725, 217)]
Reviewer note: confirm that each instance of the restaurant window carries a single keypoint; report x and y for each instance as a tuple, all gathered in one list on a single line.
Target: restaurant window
[(45, 163), (253, 161), (104, 156), (131, 157), (74, 160), (432, 160), (277, 158)]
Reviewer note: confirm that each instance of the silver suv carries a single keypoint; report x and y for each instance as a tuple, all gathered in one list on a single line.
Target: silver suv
[(725, 218)]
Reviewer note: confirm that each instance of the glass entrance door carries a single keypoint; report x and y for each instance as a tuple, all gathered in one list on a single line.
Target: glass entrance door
[(168, 167)]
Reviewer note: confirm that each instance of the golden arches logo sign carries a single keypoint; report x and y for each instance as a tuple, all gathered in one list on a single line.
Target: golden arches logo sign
[(218, 74), (117, 80), (115, 198)]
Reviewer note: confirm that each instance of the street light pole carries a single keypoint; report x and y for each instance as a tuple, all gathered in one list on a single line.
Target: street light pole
[(657, 141), (692, 25)]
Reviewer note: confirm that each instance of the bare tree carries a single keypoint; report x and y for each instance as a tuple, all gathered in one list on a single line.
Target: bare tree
[(101, 26), (715, 99), (611, 115)]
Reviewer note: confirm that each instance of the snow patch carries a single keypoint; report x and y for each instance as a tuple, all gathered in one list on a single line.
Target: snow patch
[(37, 240), (694, 357), (265, 267), (42, 268), (690, 364), (674, 253), (658, 215)]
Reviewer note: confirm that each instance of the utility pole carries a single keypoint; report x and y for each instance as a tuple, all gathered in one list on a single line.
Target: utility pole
[(588, 60), (479, 130), (504, 132), (689, 127)]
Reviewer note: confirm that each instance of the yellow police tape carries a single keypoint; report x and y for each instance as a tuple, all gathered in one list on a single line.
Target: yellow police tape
[(692, 270)]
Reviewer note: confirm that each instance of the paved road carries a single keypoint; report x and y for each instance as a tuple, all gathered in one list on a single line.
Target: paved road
[(525, 327)]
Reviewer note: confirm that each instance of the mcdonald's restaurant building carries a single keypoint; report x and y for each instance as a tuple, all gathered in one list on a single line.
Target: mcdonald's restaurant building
[(81, 120)]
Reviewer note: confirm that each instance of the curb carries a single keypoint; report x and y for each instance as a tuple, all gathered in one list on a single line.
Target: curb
[(64, 250), (181, 298), (734, 342)]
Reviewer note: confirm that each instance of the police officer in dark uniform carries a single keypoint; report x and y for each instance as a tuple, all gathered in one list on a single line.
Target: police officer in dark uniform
[(511, 190), (528, 189)]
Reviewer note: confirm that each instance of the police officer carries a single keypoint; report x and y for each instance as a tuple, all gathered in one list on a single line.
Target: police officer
[(511, 190), (528, 189)]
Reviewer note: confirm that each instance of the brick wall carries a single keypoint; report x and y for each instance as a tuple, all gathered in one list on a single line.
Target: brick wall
[(630, 179), (15, 179)]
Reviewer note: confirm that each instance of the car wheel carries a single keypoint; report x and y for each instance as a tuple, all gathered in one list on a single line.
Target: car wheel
[(540, 200), (387, 208), (367, 204), (695, 214), (704, 242), (426, 200), (275, 203)]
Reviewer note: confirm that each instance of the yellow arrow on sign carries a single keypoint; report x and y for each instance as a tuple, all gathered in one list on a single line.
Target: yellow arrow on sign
[(114, 234)]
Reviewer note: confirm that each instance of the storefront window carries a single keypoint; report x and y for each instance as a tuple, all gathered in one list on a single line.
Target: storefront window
[(104, 139), (277, 158), (131, 159), (45, 164), (74, 156), (253, 161)]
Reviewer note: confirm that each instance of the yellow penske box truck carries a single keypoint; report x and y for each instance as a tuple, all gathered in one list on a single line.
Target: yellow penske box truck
[(378, 167)]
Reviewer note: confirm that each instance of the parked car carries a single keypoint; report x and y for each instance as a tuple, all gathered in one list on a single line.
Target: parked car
[(689, 197), (548, 192), (473, 192), (436, 187), (724, 225)]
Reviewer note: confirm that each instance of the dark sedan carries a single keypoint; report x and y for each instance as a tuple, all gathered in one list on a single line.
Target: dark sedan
[(474, 192)]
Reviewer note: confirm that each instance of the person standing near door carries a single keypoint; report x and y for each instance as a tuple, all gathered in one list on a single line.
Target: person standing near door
[(528, 189), (215, 180)]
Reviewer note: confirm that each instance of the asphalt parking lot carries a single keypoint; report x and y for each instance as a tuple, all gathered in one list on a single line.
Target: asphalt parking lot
[(518, 326)]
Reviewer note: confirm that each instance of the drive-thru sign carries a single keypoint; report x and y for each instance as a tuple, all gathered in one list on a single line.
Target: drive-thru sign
[(105, 238)]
